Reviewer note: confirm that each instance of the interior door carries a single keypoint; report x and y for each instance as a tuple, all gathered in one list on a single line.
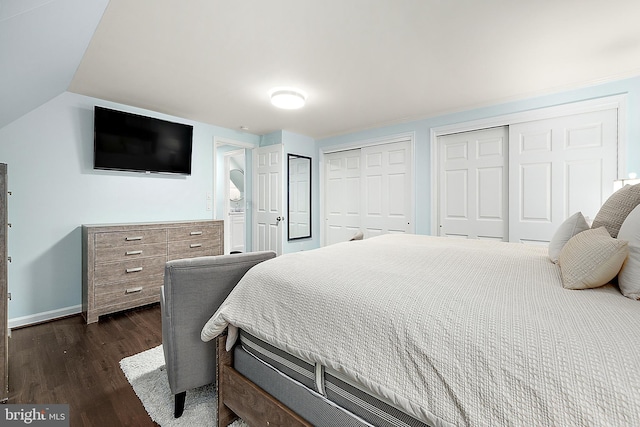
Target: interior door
[(472, 192), (268, 211), (560, 166), (341, 195), (387, 187)]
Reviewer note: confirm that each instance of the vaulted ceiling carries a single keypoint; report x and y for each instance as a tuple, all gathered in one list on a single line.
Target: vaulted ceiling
[(41, 45), (363, 63)]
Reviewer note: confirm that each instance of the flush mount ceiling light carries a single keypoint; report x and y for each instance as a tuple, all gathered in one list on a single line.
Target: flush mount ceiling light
[(287, 98)]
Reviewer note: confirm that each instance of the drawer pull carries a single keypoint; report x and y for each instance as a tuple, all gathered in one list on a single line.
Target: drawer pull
[(196, 233), (133, 253), (195, 245), (133, 290), (131, 239), (134, 270)]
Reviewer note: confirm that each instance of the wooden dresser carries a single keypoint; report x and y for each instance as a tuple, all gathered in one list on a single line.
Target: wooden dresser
[(123, 264), (4, 286)]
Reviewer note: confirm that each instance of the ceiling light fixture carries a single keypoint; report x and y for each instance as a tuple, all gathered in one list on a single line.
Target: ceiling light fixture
[(287, 98)]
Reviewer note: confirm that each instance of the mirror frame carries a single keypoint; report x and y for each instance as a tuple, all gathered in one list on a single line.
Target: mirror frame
[(291, 156)]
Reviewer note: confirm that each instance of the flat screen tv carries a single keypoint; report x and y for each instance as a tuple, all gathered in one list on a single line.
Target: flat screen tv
[(130, 142)]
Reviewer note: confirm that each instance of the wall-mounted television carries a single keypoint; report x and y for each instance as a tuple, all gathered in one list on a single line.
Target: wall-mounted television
[(130, 142)]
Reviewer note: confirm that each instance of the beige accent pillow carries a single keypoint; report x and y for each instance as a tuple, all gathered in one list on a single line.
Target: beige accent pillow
[(570, 227), (614, 211), (591, 259), (358, 236), (629, 276)]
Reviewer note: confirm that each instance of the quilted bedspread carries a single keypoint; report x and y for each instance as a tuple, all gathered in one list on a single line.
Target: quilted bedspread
[(453, 332)]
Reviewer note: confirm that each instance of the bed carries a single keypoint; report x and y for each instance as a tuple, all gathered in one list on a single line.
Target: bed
[(445, 332), (407, 330)]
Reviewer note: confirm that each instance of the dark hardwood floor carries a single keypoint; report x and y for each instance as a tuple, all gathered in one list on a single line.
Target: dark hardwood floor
[(68, 361)]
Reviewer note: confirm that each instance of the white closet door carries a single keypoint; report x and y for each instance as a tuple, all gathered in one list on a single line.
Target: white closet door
[(558, 167), (473, 195), (387, 189), (268, 211), (341, 195)]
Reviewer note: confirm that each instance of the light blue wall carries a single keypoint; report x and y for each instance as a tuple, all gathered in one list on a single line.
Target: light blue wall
[(271, 138), (49, 153), (42, 44), (422, 129)]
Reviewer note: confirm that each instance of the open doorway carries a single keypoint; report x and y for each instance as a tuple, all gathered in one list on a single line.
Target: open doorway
[(235, 201), (232, 201)]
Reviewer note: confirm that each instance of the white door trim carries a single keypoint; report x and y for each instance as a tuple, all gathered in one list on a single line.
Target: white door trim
[(618, 102), (369, 142), (410, 136)]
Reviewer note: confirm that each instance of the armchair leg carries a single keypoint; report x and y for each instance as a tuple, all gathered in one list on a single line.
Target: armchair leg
[(179, 401)]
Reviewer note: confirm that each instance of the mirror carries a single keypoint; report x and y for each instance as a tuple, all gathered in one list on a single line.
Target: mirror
[(299, 200), (236, 193)]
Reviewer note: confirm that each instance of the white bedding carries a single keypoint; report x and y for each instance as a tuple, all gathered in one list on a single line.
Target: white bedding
[(454, 332)]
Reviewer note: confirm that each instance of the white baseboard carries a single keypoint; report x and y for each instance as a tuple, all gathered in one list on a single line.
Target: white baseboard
[(44, 316)]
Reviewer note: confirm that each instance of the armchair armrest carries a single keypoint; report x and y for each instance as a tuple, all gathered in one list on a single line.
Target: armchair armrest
[(193, 290)]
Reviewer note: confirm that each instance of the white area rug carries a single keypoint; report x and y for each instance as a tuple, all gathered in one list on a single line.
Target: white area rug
[(147, 375)]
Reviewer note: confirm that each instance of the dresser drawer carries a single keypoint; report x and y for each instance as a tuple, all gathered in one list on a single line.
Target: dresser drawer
[(129, 238), (128, 270), (190, 249), (195, 232), (125, 253), (127, 295)]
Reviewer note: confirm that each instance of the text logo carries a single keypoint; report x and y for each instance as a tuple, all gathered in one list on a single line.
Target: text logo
[(35, 415)]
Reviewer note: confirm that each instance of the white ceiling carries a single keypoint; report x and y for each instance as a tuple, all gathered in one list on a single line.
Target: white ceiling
[(363, 63)]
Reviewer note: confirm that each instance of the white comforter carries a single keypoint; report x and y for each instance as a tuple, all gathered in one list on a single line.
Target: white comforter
[(454, 332)]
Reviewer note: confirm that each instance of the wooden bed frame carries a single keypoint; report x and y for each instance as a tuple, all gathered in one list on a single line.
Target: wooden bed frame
[(240, 397)]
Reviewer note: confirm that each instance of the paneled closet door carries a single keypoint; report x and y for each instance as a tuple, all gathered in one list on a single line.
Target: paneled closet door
[(558, 167), (341, 195), (387, 189), (368, 189), (472, 193)]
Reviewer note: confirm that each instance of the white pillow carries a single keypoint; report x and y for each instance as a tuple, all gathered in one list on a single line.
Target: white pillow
[(571, 226), (591, 259), (629, 276)]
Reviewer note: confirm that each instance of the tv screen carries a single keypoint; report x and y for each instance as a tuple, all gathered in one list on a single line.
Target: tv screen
[(130, 142)]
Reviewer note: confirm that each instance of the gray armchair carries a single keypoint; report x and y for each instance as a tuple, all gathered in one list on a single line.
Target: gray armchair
[(193, 290)]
